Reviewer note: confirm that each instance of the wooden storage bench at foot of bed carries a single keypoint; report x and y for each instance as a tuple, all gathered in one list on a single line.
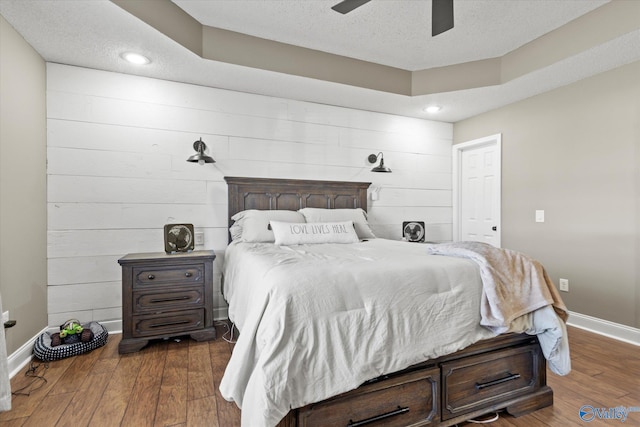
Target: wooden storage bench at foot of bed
[(507, 372)]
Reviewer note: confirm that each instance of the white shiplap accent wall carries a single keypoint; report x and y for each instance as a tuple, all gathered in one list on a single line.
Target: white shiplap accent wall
[(117, 147)]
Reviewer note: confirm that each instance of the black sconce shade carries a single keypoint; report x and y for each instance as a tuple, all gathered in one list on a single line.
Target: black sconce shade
[(200, 157), (381, 167)]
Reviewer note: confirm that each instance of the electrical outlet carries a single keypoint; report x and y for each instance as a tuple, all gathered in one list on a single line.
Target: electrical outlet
[(539, 216), (564, 285), (199, 238), (5, 316)]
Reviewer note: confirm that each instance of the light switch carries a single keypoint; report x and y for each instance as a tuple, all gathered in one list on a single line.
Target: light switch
[(539, 216)]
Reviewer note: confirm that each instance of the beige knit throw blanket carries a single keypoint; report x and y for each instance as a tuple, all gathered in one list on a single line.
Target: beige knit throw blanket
[(513, 283)]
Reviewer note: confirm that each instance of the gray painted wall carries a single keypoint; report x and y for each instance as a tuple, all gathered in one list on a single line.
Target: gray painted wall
[(23, 187), (575, 152)]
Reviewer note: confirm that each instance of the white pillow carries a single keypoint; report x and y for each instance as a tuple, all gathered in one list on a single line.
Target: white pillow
[(253, 225), (236, 231), (358, 216), (287, 233)]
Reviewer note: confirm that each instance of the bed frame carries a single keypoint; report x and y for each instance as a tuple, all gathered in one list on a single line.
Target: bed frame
[(291, 194), (507, 372)]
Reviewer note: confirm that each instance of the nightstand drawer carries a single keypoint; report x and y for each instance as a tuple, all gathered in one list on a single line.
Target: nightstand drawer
[(476, 381), (183, 275), (168, 324), (408, 399), (181, 299)]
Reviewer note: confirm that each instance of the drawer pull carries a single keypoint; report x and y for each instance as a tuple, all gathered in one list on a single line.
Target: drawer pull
[(162, 325), (151, 277), (509, 377), (188, 274), (182, 298), (373, 419)]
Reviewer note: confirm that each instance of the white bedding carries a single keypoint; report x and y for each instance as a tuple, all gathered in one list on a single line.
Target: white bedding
[(319, 320)]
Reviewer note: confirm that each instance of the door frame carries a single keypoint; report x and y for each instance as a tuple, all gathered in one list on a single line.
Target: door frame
[(457, 150)]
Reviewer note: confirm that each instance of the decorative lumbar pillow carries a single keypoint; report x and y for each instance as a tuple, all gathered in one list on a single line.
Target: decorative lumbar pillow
[(358, 216), (287, 233), (253, 225)]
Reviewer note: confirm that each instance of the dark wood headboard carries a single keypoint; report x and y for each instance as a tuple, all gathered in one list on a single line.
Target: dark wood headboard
[(293, 194)]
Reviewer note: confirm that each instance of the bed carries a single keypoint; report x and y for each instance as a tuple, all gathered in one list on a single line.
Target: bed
[(332, 333)]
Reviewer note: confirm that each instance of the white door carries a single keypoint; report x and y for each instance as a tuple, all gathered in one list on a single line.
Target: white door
[(477, 190)]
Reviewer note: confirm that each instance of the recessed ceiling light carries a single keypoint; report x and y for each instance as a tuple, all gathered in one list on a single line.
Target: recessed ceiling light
[(135, 58), (433, 108)]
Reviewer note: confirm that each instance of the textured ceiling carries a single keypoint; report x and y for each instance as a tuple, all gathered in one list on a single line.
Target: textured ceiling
[(93, 34), (396, 33)]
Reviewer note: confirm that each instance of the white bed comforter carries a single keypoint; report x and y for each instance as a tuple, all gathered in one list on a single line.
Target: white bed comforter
[(319, 320)]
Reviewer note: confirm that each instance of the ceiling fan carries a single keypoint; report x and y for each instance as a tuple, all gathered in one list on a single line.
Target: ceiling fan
[(441, 13)]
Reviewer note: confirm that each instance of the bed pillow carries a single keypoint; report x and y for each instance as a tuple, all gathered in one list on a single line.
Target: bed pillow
[(287, 233), (236, 231), (253, 225), (358, 216)]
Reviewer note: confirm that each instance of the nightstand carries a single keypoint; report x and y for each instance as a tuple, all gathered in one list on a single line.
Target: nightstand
[(165, 296)]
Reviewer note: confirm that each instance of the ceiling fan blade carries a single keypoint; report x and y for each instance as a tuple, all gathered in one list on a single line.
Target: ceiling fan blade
[(441, 16), (347, 6)]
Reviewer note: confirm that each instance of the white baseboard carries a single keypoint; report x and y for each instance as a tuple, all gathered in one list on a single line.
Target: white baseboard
[(22, 356), (19, 358), (220, 313), (604, 327)]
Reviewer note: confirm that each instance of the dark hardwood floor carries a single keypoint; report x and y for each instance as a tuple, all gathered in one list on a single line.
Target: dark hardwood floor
[(172, 383)]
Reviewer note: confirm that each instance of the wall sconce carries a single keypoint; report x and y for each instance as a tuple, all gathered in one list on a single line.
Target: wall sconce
[(200, 157), (381, 167)]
